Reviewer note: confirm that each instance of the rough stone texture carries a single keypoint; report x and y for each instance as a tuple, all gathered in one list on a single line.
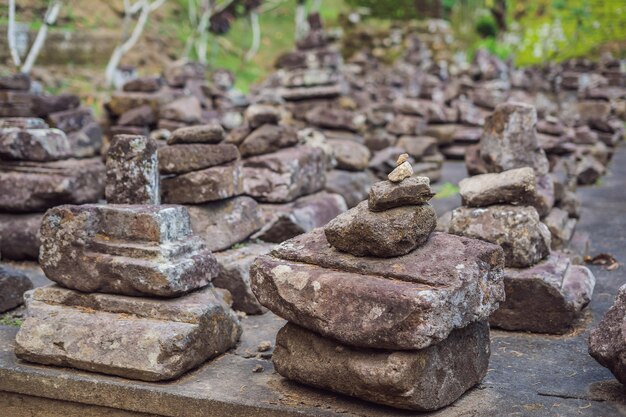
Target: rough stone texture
[(210, 184), (545, 298), (132, 171), (13, 285), (352, 186), (402, 171), (145, 84), (38, 145), (607, 342), (385, 195), (123, 101), (37, 186), (17, 81), (303, 215), (418, 146), (452, 281), (473, 162), (87, 141), (19, 235), (268, 138), (509, 140), (309, 93), (234, 275), (332, 118), (120, 249), (210, 133), (132, 337), (544, 196), (350, 156), (185, 109), (423, 380), (23, 123), (561, 227), (71, 120), (285, 175), (260, 114), (140, 116), (406, 125), (389, 233), (515, 186), (223, 223), (181, 159), (518, 230)]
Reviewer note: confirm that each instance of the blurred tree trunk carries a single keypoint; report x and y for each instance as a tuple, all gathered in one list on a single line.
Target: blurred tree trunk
[(498, 11)]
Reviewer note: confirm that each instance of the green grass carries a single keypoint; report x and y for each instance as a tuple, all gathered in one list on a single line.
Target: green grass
[(8, 320), (446, 190)]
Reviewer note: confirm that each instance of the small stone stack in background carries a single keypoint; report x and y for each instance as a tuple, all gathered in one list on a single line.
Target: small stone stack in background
[(132, 284), (607, 342), (544, 291), (352, 329), (39, 168)]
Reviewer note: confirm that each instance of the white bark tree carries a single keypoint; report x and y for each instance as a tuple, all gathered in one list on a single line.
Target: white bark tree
[(52, 13), (143, 8), (256, 35)]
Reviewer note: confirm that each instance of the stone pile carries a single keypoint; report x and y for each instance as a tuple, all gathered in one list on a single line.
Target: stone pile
[(352, 329), (545, 292), (133, 294), (180, 97), (42, 138), (607, 343)]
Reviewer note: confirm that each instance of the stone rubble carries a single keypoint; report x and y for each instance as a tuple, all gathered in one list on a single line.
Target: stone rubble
[(343, 290)]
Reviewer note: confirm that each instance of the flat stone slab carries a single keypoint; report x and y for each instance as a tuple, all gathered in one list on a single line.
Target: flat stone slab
[(515, 186), (37, 186), (181, 159), (39, 145), (363, 301), (124, 249), (423, 380), (133, 337), (545, 298), (385, 195)]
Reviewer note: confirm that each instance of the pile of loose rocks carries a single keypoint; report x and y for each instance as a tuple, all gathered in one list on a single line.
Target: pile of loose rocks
[(48, 156), (353, 329), (545, 292), (132, 282)]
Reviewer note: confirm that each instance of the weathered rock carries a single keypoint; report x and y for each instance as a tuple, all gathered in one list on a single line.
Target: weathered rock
[(185, 109), (13, 285), (607, 342), (407, 125), (140, 116), (260, 114), (87, 141), (509, 139), (516, 186), (418, 146), (122, 249), (268, 138), (444, 133), (423, 380), (545, 298), (383, 162), (234, 275), (401, 172), (309, 77), (181, 159), (123, 101), (132, 171), (518, 230), (19, 235), (17, 81), (352, 186), (561, 227), (473, 162), (386, 195), (544, 195), (332, 118), (284, 221), (284, 175), (37, 186), (379, 139), (138, 338), (224, 223), (589, 170), (44, 104), (210, 184), (310, 93), (38, 145), (385, 234), (145, 84), (23, 123), (71, 120), (570, 202), (211, 133), (177, 74), (350, 156), (361, 301)]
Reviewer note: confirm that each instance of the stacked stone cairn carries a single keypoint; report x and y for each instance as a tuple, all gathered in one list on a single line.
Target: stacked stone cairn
[(607, 343), (379, 308), (133, 294), (545, 292), (39, 165)]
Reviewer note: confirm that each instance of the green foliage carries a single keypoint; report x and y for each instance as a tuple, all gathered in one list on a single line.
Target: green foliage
[(486, 26), (447, 190), (8, 320)]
